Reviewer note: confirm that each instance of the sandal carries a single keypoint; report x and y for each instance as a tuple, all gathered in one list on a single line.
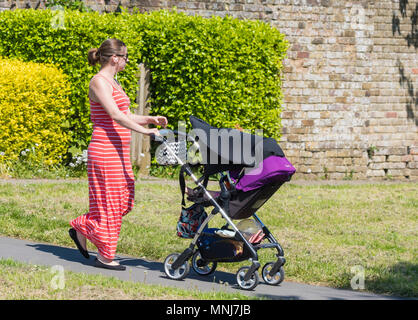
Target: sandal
[(99, 264)]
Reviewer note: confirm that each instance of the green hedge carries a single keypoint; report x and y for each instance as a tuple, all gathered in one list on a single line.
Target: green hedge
[(223, 70)]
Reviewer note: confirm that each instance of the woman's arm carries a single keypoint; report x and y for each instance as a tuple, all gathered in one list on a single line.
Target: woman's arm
[(142, 120), (103, 94)]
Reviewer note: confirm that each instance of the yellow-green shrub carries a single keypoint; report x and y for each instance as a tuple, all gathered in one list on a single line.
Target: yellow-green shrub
[(34, 104)]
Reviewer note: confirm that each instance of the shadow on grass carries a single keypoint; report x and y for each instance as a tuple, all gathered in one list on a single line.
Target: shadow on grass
[(399, 280)]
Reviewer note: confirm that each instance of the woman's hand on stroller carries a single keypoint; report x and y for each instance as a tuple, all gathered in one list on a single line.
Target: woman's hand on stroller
[(155, 134), (153, 131)]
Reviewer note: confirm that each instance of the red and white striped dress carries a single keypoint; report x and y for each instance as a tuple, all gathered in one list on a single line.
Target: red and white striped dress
[(110, 176)]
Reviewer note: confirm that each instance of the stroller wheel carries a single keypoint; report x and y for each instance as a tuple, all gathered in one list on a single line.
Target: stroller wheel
[(275, 279), (251, 283), (175, 274), (201, 267)]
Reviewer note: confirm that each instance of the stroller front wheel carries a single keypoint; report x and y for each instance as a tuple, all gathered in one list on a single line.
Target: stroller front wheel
[(175, 274), (275, 279), (251, 283), (202, 267)]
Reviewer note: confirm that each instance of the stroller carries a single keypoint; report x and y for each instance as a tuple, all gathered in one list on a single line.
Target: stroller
[(245, 185)]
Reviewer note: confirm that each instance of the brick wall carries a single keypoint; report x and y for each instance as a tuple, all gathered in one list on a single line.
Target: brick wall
[(350, 80), (351, 88)]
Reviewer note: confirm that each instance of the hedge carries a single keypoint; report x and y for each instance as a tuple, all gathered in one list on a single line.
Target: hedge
[(223, 70), (34, 105)]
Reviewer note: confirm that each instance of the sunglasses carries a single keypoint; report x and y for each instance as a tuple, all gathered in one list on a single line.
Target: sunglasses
[(124, 56)]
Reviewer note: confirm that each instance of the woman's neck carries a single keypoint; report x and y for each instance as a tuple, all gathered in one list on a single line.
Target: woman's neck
[(108, 72)]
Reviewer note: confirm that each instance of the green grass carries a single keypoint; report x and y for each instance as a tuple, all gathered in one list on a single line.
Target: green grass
[(23, 281), (324, 230), (28, 168)]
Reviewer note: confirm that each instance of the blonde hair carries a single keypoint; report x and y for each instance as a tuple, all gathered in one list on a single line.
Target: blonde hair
[(102, 54)]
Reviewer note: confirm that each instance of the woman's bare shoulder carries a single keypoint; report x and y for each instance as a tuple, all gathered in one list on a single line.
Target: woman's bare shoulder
[(98, 87), (98, 82), (96, 79)]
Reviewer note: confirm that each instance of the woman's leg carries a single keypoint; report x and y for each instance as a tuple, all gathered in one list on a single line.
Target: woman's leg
[(82, 240)]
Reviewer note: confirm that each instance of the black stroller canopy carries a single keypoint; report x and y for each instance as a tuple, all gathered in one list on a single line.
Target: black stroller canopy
[(225, 149)]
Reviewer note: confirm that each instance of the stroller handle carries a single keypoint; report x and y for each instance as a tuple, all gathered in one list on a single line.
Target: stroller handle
[(169, 133)]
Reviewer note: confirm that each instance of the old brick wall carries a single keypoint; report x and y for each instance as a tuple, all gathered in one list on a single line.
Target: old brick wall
[(350, 79), (351, 88)]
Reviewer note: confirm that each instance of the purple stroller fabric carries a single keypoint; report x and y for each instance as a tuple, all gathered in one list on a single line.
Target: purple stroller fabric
[(272, 169)]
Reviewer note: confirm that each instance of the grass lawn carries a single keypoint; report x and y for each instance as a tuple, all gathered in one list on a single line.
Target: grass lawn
[(325, 230)]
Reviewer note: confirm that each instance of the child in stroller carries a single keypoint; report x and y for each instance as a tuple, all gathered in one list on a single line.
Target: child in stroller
[(245, 185)]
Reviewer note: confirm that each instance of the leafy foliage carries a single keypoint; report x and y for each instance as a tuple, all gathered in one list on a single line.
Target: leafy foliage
[(223, 70), (34, 105)]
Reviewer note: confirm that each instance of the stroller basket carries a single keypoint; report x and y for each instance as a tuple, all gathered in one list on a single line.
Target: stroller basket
[(215, 248)]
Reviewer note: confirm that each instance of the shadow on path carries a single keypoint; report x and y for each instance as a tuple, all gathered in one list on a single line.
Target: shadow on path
[(64, 253)]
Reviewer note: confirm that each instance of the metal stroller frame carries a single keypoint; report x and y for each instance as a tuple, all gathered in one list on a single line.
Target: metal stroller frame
[(176, 265)]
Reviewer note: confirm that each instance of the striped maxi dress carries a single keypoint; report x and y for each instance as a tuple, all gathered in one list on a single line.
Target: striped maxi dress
[(110, 176)]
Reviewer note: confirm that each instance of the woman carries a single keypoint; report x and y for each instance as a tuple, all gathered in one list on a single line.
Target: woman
[(111, 181)]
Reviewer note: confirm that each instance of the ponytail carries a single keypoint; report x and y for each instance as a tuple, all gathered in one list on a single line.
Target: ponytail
[(93, 56)]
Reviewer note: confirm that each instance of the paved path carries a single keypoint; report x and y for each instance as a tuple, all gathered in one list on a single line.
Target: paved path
[(150, 272)]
